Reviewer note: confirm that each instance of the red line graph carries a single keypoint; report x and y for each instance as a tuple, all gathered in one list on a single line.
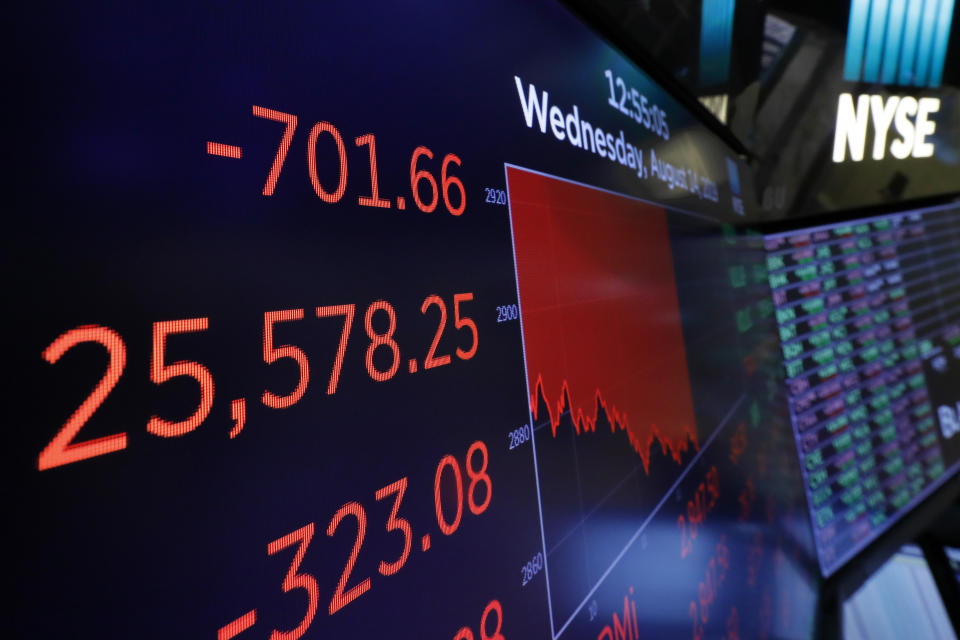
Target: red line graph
[(583, 423), (601, 318)]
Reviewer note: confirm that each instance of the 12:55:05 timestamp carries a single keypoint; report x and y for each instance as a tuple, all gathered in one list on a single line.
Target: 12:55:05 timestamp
[(633, 104)]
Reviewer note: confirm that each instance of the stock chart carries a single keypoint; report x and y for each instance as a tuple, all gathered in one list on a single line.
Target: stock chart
[(613, 419), (342, 321)]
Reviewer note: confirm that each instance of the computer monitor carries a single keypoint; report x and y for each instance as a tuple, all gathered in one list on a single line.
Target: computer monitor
[(869, 320)]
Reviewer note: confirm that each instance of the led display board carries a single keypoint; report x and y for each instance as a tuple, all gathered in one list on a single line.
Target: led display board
[(869, 316), (411, 319)]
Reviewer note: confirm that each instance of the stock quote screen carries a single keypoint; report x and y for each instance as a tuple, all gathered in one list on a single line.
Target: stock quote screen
[(869, 319), (428, 321)]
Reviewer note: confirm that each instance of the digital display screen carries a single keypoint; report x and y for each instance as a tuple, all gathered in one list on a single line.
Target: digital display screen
[(421, 320), (900, 600), (869, 320)]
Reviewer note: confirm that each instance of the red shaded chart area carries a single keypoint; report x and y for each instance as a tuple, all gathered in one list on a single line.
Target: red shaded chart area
[(601, 319)]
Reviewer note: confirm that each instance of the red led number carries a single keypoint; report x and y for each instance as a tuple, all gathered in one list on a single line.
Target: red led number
[(494, 606), (447, 181), (396, 524), (381, 340), (446, 527), (294, 580), (61, 450), (161, 372), (374, 200), (271, 354), (460, 322), (340, 598), (432, 360), (417, 175), (698, 631), (479, 476), (336, 194), (464, 323), (345, 310), (278, 160), (704, 500)]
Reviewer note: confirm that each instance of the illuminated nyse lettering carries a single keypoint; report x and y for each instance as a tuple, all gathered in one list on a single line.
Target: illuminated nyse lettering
[(908, 115)]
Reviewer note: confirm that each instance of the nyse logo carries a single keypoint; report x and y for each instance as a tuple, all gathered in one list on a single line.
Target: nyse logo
[(901, 42), (892, 42), (909, 117)]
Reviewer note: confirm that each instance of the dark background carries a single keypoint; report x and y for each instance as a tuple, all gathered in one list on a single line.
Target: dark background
[(118, 217)]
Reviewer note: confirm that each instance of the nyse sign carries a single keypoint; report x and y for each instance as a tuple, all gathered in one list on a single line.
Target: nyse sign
[(910, 118)]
